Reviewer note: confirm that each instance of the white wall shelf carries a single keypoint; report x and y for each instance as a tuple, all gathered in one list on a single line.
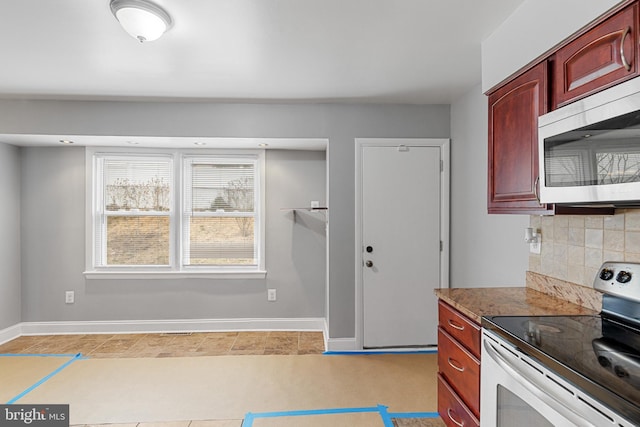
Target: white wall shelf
[(321, 208), (308, 209)]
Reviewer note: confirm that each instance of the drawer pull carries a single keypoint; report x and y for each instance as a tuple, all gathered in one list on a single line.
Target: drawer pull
[(456, 422), (454, 325), (625, 64), (455, 366)]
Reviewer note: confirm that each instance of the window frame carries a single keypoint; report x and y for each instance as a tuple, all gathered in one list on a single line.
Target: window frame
[(176, 268)]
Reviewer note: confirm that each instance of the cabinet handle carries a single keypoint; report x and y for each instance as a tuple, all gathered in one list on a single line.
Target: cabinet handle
[(535, 189), (622, 57), (454, 325), (456, 422), (455, 366)]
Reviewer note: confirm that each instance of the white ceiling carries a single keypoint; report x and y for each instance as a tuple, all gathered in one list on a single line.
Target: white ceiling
[(386, 51)]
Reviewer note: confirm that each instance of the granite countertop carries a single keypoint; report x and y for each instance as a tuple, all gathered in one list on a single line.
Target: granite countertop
[(517, 301)]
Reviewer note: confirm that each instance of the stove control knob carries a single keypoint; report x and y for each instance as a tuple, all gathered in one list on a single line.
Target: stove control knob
[(620, 372), (604, 362), (623, 277), (606, 274)]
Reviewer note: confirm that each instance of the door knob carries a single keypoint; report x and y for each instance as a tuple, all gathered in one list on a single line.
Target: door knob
[(369, 263)]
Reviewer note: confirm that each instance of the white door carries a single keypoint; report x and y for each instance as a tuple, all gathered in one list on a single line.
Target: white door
[(401, 196)]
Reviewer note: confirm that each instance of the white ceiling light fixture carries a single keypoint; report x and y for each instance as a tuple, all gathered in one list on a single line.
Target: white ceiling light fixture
[(143, 20)]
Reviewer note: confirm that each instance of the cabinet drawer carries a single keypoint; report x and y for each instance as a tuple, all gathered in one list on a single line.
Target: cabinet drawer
[(452, 410), (459, 327), (602, 57), (461, 370)]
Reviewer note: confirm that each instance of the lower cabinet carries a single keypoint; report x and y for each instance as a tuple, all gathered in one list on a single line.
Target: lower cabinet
[(458, 368), (451, 408)]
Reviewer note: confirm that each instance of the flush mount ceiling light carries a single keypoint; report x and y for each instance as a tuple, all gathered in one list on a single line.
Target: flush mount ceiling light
[(142, 19)]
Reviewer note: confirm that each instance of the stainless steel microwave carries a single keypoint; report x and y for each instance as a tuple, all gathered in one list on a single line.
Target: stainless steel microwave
[(589, 151)]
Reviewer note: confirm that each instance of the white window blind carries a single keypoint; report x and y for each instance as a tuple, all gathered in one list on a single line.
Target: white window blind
[(134, 207), (220, 226)]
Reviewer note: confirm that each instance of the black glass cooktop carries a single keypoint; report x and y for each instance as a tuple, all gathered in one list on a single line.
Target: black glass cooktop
[(597, 354)]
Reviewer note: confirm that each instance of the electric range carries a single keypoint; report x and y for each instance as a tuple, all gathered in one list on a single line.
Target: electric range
[(600, 355)]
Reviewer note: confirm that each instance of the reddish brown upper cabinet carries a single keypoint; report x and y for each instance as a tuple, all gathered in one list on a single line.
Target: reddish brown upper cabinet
[(602, 57), (514, 109)]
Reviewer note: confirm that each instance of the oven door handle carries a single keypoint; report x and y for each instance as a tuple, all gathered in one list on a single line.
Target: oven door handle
[(555, 401)]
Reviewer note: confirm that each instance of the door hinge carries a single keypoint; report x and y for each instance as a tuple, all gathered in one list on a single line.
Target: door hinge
[(441, 245)]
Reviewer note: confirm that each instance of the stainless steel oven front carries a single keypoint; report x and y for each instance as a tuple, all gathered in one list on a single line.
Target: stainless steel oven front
[(516, 390)]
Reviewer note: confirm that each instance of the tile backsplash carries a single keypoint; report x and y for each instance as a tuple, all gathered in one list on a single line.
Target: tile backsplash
[(575, 246)]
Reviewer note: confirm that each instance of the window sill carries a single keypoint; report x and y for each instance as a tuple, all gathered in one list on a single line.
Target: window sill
[(144, 275)]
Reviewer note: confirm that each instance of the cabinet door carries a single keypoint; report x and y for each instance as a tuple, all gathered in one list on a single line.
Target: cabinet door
[(513, 143), (600, 58)]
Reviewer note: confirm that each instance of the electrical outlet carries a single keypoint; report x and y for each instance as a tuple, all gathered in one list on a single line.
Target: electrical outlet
[(271, 294), (535, 247), (69, 297)]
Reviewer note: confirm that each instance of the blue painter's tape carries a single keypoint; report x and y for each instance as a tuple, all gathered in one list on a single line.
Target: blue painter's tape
[(414, 414), (36, 355), (45, 379), (386, 419), (248, 420), (250, 417), (313, 412), (366, 353)]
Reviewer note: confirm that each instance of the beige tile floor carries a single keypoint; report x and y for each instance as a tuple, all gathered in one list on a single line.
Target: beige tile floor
[(170, 345), (403, 422), (419, 422), (238, 423), (183, 345)]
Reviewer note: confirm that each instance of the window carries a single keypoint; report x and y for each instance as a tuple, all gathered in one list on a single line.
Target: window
[(219, 215), (176, 213), (134, 211)]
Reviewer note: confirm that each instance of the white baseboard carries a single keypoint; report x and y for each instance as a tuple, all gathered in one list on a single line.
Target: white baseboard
[(159, 326), (10, 333), (341, 344), (348, 345)]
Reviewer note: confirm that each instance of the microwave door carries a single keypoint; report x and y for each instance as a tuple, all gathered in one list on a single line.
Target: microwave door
[(619, 165), (568, 165), (604, 159), (595, 163)]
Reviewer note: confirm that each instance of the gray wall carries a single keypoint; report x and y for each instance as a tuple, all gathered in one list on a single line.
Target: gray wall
[(124, 299), (486, 250), (53, 250), (9, 236)]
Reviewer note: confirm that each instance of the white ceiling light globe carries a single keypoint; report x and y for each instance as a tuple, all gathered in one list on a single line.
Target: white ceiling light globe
[(143, 20)]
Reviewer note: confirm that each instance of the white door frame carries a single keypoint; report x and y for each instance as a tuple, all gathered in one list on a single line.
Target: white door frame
[(360, 143)]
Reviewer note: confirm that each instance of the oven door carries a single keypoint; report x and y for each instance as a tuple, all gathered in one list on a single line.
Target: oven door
[(516, 390)]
